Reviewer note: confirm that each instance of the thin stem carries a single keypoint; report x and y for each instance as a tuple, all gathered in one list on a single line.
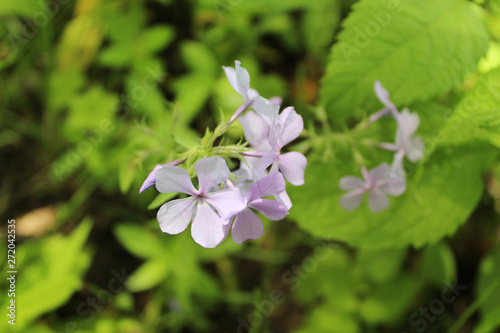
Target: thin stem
[(240, 111), (176, 162), (253, 154), (388, 146)]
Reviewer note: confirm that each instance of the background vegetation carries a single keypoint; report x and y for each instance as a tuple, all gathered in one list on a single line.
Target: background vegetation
[(94, 93)]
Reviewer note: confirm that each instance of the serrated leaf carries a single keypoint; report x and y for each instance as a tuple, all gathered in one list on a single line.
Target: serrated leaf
[(477, 116), (417, 50)]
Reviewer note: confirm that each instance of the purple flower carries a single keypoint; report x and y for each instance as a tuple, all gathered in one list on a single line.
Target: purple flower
[(239, 79), (246, 177), (209, 210), (284, 129), (406, 141), (247, 225), (378, 182)]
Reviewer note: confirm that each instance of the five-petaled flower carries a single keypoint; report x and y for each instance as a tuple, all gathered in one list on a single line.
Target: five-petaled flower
[(210, 209), (284, 129), (247, 225)]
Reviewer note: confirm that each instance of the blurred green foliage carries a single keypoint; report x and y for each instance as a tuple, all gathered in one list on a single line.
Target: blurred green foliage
[(95, 93)]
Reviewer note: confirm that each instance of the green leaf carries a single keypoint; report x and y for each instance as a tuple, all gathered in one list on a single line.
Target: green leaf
[(416, 49), (138, 240), (381, 266), (488, 288), (319, 24), (157, 37), (150, 274), (440, 196), (126, 174), (477, 116), (160, 199), (24, 7), (438, 263), (89, 110), (389, 302)]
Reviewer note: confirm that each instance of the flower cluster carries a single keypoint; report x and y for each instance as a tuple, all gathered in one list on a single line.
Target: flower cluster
[(226, 201), (385, 179)]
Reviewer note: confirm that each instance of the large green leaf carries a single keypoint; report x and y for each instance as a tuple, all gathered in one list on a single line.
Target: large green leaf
[(416, 49)]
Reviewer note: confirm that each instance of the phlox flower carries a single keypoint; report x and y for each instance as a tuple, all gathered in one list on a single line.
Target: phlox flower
[(247, 225), (378, 183), (246, 176), (284, 129), (406, 140), (210, 210)]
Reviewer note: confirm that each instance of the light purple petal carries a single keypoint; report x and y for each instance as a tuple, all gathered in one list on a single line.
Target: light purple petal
[(172, 179), (271, 209), (293, 166), (292, 125), (231, 77), (264, 108), (408, 122), (247, 225), (378, 201), (264, 162), (378, 173), (256, 131), (252, 93), (395, 185), (272, 184), (351, 182), (207, 228), (211, 171), (382, 94), (227, 202), (415, 148), (284, 199), (150, 179), (242, 79), (352, 199), (174, 216)]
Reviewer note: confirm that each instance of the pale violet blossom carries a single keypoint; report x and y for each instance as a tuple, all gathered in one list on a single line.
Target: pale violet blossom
[(284, 129), (406, 140), (246, 176), (378, 183), (247, 225), (209, 209)]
